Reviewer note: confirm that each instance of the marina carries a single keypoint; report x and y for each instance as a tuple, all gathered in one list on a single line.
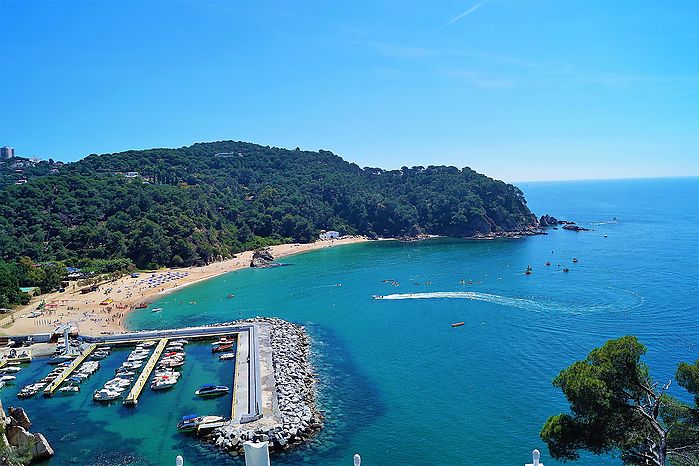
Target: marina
[(165, 359)]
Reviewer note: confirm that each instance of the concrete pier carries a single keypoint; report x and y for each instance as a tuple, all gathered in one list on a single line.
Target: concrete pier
[(69, 370), (240, 388), (132, 397)]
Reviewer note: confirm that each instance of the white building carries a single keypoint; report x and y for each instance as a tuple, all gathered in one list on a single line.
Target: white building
[(332, 234)]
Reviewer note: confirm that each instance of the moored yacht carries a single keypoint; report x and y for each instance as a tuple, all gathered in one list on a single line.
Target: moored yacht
[(211, 390)]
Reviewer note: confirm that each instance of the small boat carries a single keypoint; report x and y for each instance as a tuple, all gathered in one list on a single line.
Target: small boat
[(117, 383), (222, 348), (162, 384), (106, 395), (575, 260), (157, 309), (179, 342), (27, 393), (457, 324), (142, 305), (377, 296), (11, 369), (191, 422), (7, 379), (566, 270), (71, 389), (223, 341), (132, 364), (226, 356), (211, 390), (137, 357), (547, 263), (62, 358), (100, 354), (171, 363)]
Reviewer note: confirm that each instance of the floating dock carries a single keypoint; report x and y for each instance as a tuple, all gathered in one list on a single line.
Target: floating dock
[(48, 391), (132, 397)]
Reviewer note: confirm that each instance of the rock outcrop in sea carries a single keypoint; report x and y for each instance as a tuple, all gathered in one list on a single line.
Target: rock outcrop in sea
[(295, 418), (548, 221), (262, 258), (17, 445), (571, 226)]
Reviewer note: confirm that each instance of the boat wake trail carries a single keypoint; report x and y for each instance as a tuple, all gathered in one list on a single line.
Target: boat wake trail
[(521, 303), (612, 300)]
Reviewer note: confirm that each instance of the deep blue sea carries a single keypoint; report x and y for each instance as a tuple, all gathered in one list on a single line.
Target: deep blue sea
[(399, 385)]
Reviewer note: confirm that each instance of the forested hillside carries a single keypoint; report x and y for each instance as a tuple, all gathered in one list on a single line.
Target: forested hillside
[(196, 204)]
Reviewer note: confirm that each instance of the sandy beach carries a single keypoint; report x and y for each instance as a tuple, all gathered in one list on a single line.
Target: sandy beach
[(103, 311)]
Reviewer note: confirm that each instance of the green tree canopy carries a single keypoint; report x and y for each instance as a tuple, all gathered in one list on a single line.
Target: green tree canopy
[(615, 407), (197, 204)]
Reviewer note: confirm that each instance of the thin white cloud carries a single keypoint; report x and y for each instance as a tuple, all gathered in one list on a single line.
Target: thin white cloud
[(461, 16)]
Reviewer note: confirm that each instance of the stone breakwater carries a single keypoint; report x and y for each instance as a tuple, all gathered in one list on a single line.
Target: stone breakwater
[(294, 417)]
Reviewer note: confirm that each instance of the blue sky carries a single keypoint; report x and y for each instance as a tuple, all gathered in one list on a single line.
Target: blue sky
[(519, 90)]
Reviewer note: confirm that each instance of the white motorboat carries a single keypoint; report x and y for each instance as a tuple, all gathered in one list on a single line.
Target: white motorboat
[(11, 369), (223, 341), (162, 384), (211, 390), (191, 422), (132, 365), (7, 379), (106, 395), (171, 363), (226, 356), (117, 383), (71, 389)]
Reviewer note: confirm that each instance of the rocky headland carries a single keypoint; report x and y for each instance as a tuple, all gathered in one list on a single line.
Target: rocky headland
[(18, 446)]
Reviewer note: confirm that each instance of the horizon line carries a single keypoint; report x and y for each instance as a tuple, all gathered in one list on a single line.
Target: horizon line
[(623, 178)]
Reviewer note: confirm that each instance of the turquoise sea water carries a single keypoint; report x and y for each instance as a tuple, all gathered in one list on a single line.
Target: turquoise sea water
[(399, 385)]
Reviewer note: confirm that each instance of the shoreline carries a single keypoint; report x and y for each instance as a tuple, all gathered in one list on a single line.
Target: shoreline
[(96, 319)]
